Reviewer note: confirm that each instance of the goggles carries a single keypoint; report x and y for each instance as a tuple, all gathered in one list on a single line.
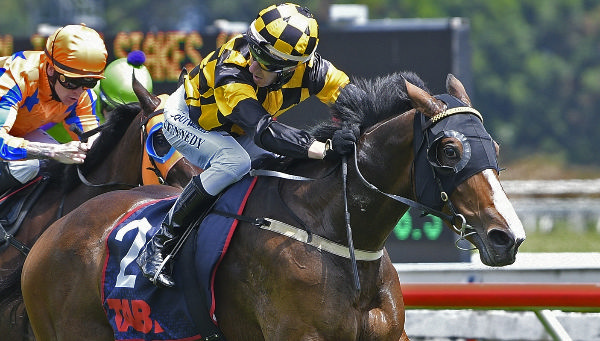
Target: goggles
[(267, 56), (268, 62), (107, 103), (74, 83)]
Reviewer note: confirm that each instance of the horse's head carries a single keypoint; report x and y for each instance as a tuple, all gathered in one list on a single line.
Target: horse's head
[(161, 160), (456, 167)]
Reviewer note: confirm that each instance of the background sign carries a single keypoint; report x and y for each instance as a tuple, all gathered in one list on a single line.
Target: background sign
[(418, 238)]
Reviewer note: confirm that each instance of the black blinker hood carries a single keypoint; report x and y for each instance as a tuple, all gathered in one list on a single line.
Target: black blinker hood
[(483, 153)]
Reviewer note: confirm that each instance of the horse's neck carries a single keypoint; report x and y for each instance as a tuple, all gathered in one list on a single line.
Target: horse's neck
[(121, 165), (385, 160)]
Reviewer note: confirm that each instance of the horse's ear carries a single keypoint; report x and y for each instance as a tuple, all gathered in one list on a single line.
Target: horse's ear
[(182, 75), (456, 89), (422, 101), (148, 101)]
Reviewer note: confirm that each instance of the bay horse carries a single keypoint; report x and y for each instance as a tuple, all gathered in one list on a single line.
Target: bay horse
[(415, 149), (114, 162)]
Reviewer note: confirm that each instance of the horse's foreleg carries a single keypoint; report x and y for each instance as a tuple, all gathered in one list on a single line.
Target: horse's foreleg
[(385, 320)]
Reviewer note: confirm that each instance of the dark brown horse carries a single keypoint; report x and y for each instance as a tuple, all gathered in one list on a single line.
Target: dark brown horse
[(273, 287), (114, 162)]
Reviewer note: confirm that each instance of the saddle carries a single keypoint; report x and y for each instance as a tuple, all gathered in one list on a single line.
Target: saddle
[(14, 207)]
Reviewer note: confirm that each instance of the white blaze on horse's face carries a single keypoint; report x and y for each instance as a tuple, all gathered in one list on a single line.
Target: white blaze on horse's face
[(503, 205)]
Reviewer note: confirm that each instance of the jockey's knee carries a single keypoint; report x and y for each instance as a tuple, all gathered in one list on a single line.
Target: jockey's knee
[(236, 167), (16, 173), (224, 172), (236, 163)]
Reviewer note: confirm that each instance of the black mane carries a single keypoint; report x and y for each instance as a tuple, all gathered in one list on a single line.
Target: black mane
[(368, 101), (112, 133)]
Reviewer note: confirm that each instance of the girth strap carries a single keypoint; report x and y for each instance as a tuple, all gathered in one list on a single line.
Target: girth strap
[(321, 243)]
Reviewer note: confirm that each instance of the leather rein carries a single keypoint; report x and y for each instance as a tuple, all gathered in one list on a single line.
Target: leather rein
[(143, 137)]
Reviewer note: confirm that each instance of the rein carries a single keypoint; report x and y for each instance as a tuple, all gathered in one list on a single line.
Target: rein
[(143, 136), (86, 182)]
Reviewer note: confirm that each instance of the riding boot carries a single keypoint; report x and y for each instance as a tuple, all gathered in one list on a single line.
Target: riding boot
[(192, 202)]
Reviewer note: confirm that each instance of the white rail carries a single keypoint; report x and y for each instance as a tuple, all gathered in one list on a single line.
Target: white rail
[(471, 300)]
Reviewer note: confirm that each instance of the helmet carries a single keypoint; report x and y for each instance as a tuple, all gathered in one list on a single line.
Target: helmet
[(77, 51), (116, 88), (283, 36)]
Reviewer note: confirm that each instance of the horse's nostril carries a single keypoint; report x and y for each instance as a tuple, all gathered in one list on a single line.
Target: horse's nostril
[(498, 237)]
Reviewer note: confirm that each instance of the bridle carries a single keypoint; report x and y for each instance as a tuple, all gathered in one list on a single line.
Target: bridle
[(148, 125), (155, 172)]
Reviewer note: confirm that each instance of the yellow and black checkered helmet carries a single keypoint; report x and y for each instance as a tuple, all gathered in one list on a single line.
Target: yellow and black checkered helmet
[(283, 36)]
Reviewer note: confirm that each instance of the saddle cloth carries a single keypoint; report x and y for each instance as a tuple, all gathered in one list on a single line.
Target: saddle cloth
[(136, 309)]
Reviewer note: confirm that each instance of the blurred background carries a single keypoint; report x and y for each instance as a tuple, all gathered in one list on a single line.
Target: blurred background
[(531, 67), (535, 64)]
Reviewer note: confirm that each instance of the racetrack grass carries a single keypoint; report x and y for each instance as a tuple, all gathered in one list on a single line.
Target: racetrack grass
[(562, 239)]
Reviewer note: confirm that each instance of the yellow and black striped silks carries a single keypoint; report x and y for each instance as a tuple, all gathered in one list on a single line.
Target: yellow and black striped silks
[(215, 88)]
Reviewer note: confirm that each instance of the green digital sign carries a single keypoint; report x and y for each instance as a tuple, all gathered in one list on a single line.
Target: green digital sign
[(430, 228), (423, 238)]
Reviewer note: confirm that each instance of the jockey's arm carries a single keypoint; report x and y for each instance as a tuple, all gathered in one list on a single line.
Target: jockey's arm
[(70, 152)]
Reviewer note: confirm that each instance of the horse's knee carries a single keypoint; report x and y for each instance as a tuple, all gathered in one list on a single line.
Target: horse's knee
[(385, 325)]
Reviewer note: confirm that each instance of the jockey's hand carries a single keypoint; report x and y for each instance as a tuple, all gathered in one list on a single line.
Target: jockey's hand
[(71, 152), (343, 140)]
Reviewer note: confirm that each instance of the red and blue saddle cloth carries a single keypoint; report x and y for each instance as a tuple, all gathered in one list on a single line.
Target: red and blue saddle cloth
[(138, 310)]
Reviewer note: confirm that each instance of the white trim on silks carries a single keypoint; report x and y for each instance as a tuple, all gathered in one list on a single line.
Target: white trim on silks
[(322, 244)]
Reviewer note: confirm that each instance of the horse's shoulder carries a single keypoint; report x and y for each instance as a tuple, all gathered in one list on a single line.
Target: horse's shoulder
[(117, 200), (156, 191)]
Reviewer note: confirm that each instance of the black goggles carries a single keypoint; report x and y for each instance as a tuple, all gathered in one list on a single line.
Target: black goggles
[(266, 60), (74, 83)]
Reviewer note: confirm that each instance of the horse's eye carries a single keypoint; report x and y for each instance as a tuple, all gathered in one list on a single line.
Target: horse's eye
[(450, 152), (160, 143)]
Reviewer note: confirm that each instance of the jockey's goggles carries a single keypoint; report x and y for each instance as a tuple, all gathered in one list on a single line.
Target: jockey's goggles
[(72, 83), (267, 61)]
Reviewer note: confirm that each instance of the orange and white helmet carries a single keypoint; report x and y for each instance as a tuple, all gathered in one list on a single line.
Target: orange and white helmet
[(77, 51)]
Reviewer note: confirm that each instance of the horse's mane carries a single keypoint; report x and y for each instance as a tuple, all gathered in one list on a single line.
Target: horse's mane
[(112, 133), (365, 102)]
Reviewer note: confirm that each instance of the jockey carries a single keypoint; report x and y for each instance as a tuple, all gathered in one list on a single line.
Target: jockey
[(222, 117), (114, 89), (41, 87)]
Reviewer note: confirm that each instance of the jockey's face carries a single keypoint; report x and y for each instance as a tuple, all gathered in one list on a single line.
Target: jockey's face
[(67, 96), (261, 77)]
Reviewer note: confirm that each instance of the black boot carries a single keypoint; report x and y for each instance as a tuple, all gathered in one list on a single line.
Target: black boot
[(192, 202)]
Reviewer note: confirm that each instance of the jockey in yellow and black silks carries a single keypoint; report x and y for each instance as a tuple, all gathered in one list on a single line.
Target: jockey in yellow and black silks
[(45, 87), (222, 117)]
